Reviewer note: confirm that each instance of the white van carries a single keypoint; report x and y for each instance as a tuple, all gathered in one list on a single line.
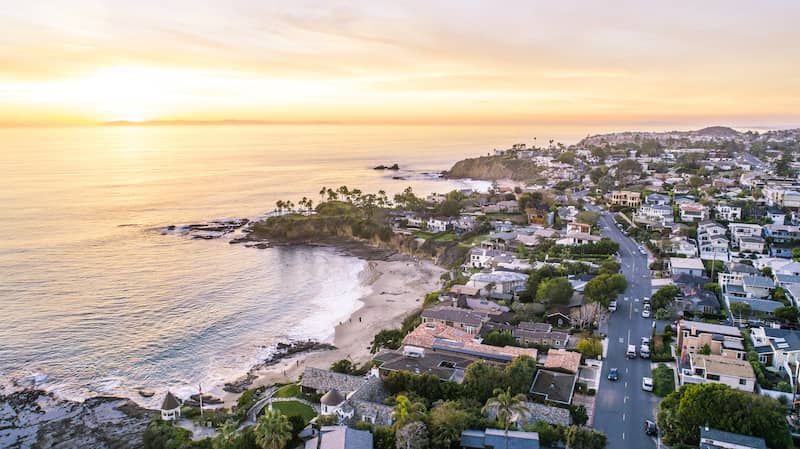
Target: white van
[(631, 354), (612, 306)]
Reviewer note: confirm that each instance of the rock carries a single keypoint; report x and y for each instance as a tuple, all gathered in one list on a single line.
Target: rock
[(387, 167)]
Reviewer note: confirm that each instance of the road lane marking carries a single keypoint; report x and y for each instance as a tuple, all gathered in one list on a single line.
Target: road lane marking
[(629, 336), (626, 383), (623, 435), (623, 417), (621, 340)]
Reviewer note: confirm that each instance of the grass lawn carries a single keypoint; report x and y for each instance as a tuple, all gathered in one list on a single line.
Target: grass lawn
[(663, 380), (440, 237), (294, 408), (288, 391)]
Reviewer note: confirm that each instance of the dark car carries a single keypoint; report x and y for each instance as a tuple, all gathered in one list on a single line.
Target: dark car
[(650, 428), (613, 374)]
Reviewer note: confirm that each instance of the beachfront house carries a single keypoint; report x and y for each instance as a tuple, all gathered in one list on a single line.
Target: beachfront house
[(499, 284), (464, 319)]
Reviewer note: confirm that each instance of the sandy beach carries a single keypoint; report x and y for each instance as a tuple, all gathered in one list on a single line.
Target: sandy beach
[(397, 288)]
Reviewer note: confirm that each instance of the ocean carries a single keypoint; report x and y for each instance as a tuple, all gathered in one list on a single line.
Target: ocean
[(96, 299)]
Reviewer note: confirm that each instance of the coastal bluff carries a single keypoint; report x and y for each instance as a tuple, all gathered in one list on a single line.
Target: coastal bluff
[(492, 168)]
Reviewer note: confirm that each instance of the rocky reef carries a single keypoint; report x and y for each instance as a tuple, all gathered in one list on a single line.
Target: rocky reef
[(491, 168), (35, 419)]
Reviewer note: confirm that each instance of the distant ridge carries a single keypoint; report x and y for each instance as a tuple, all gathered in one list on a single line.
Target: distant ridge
[(226, 122)]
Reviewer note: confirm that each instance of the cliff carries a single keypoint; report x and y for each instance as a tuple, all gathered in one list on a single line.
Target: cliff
[(492, 168)]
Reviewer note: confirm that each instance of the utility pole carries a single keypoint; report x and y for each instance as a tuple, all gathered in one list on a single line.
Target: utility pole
[(200, 387)]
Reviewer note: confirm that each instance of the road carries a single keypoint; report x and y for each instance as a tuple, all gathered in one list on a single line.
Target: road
[(622, 406)]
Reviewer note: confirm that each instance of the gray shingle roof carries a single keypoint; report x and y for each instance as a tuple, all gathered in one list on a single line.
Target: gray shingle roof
[(324, 380), (495, 438), (342, 437), (454, 314), (731, 438)]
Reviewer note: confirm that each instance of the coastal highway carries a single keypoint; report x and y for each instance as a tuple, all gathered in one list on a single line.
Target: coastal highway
[(622, 406)]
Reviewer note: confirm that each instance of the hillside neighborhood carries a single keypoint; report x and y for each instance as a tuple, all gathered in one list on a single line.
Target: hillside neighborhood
[(633, 290)]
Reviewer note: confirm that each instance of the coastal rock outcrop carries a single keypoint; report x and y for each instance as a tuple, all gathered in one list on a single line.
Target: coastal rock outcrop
[(283, 351), (36, 419), (491, 168), (387, 167)]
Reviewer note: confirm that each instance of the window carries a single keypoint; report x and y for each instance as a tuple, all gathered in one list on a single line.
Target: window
[(712, 377), (742, 381)]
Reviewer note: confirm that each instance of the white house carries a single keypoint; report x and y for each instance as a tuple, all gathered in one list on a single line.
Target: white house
[(693, 212), (577, 238), (739, 230), (332, 402), (751, 244), (714, 248), (719, 369), (683, 246), (728, 212), (778, 348), (439, 224), (503, 282), (170, 408), (658, 214)]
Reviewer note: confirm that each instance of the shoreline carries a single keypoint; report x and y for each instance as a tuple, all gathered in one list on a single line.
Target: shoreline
[(397, 285)]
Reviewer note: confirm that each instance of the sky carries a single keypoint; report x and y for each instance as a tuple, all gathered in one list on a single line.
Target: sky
[(415, 62)]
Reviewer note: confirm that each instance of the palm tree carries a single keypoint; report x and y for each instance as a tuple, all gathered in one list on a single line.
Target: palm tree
[(507, 407), (279, 205), (226, 436), (272, 430), (405, 411), (322, 193)]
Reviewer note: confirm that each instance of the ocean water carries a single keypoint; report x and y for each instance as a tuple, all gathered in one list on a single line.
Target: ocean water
[(95, 299)]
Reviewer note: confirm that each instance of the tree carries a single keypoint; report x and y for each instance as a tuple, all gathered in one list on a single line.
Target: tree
[(604, 288), (508, 408), (383, 438), (589, 347), (741, 310), (705, 350), (163, 435), (628, 170), (499, 338), (448, 420), (609, 267), (226, 436), (554, 291), (664, 297), (520, 373), (796, 254), (549, 435), (531, 200), (272, 430), (578, 414), (406, 411), (387, 338), (716, 405), (713, 287), (598, 173), (481, 379), (588, 217), (583, 438), (343, 366), (412, 436), (786, 313), (588, 315)]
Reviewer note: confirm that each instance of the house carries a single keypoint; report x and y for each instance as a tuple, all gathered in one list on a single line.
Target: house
[(563, 361), (683, 247), (739, 230), (321, 381), (655, 215), (340, 437), (707, 229), (485, 257), (439, 224), (528, 333), (496, 439), (781, 233), (717, 439), (577, 239), (775, 216), (700, 301), (693, 212), (540, 216), (498, 283), (626, 198), (714, 248), (553, 386), (728, 212), (657, 199), (446, 366), (691, 266), (440, 338), (751, 244), (782, 250), (170, 408), (464, 319), (511, 206), (777, 348), (724, 341), (717, 369), (579, 228)]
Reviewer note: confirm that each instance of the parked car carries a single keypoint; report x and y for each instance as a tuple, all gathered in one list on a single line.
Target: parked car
[(646, 311), (647, 384), (650, 428), (613, 374), (645, 341), (631, 353), (644, 351), (612, 306)]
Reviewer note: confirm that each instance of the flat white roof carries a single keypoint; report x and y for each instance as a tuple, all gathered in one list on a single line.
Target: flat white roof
[(692, 263)]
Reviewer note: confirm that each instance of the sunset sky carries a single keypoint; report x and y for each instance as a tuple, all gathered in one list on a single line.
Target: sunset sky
[(84, 61)]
